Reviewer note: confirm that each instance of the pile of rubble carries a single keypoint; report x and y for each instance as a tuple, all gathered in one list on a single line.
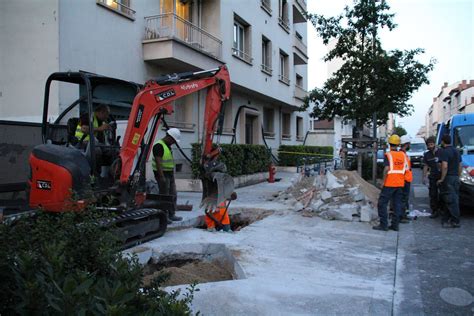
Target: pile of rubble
[(342, 195)]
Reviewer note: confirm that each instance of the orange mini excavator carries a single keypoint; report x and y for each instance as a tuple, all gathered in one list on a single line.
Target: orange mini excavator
[(61, 171)]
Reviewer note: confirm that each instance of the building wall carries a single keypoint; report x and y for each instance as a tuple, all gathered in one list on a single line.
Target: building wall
[(251, 76), (29, 53)]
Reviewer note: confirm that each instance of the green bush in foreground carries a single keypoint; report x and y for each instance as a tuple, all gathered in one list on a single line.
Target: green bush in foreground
[(65, 264)]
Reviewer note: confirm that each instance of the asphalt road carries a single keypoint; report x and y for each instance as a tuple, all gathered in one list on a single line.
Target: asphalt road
[(435, 265)]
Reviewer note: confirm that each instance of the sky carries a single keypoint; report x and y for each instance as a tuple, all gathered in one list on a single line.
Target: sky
[(444, 28)]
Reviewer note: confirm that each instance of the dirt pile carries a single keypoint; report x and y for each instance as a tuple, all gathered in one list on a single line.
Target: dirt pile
[(187, 272), (343, 195)]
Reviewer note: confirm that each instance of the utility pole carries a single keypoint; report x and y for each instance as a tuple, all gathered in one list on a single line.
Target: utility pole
[(374, 117)]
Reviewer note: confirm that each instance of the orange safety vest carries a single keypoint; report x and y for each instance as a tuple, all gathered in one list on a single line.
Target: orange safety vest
[(397, 166), (408, 172), (220, 214)]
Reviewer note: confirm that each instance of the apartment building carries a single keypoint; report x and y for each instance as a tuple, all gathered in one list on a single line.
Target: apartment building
[(262, 42), (452, 99)]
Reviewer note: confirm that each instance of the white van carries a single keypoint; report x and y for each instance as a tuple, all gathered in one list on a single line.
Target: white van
[(417, 149)]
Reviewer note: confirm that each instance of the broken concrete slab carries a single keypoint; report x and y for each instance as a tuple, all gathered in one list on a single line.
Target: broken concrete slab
[(315, 205), (332, 182), (326, 196), (344, 212), (367, 213)]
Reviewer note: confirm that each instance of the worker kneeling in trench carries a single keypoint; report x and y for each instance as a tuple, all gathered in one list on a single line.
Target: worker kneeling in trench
[(218, 219)]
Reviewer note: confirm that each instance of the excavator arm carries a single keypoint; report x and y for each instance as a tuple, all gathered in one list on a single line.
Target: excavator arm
[(156, 100)]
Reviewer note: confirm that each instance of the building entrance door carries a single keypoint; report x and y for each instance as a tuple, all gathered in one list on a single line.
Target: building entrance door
[(250, 121)]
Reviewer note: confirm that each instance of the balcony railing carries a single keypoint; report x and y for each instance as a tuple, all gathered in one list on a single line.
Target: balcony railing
[(169, 25), (242, 55), (266, 6), (302, 4), (118, 7), (284, 23), (300, 93), (284, 79), (266, 69), (298, 43)]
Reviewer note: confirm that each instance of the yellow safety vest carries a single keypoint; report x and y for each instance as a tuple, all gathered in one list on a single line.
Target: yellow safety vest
[(79, 133), (167, 161)]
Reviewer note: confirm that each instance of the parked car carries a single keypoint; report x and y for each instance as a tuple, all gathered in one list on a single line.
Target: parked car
[(417, 149)]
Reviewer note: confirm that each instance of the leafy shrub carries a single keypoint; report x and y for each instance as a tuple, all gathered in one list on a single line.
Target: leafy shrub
[(287, 158), (239, 159), (65, 264)]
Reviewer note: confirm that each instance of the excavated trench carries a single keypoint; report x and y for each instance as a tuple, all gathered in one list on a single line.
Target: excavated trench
[(193, 263), (241, 218)]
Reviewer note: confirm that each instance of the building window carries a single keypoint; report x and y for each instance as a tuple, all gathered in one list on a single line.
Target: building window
[(299, 128), (268, 122), (266, 55), (284, 69), (182, 117), (241, 42), (283, 20), (299, 81), (122, 7), (286, 126), (266, 6)]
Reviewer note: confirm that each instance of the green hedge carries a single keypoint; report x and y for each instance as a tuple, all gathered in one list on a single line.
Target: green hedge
[(240, 159), (287, 159)]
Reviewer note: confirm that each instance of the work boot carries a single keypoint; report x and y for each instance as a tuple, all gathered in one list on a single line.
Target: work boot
[(175, 218), (392, 227), (434, 215), (455, 225), (404, 220), (380, 227)]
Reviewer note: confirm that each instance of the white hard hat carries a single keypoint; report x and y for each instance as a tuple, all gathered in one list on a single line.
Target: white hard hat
[(175, 133), (405, 139)]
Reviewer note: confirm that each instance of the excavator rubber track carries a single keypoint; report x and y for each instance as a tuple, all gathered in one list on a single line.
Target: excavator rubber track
[(137, 226), (132, 227)]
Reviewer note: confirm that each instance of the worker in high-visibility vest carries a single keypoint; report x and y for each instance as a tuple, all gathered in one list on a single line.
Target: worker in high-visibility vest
[(405, 146), (163, 168), (101, 114), (393, 182), (218, 219)]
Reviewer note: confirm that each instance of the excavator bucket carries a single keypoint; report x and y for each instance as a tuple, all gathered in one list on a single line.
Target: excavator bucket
[(217, 186)]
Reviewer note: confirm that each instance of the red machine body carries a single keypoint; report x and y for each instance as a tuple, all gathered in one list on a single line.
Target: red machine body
[(50, 185), (59, 170)]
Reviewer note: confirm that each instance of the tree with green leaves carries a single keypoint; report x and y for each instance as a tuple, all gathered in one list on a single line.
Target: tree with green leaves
[(371, 79), (400, 131)]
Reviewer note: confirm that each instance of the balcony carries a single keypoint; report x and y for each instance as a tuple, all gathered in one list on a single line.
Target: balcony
[(300, 52), (300, 93), (299, 11), (172, 41)]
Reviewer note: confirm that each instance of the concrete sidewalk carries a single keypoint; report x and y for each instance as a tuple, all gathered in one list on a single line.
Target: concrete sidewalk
[(290, 264)]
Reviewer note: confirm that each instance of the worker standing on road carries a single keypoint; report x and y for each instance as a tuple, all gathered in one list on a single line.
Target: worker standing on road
[(405, 146), (219, 218), (431, 174), (163, 168), (448, 183), (395, 163)]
